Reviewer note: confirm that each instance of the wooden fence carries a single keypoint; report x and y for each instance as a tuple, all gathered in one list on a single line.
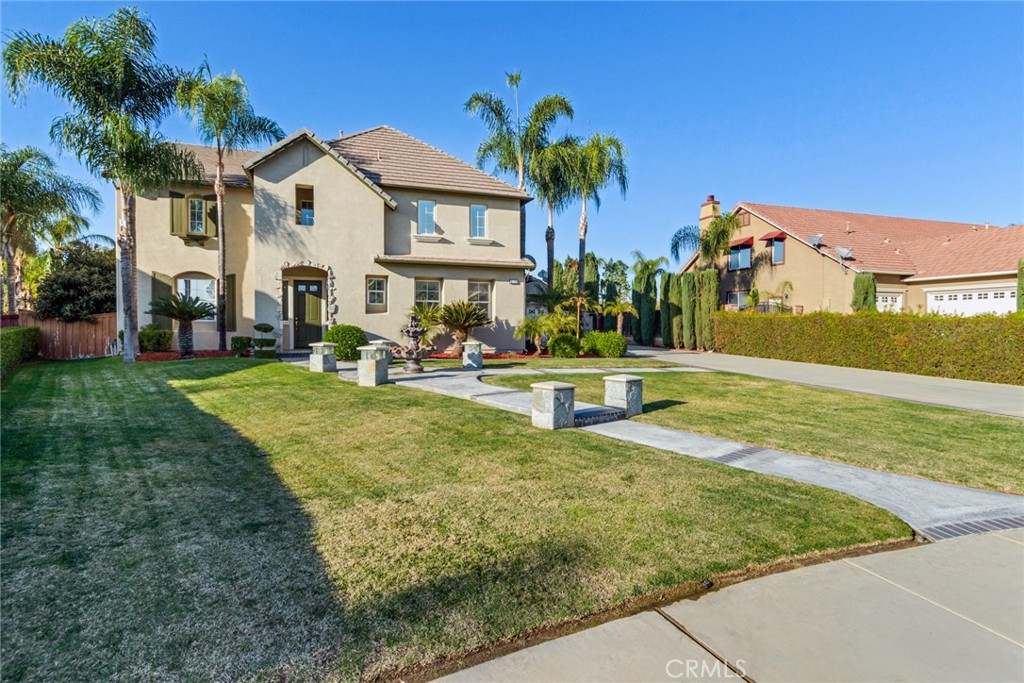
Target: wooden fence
[(64, 341)]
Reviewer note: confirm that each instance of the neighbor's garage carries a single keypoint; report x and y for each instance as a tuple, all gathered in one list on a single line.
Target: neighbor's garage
[(973, 300)]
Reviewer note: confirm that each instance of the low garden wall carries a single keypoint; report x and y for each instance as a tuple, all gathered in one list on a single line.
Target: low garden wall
[(17, 345), (982, 348)]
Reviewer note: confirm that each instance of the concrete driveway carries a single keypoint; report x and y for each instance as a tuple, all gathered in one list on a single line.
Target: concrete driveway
[(1000, 399), (952, 611)]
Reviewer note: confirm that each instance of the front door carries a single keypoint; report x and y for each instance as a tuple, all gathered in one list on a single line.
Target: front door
[(308, 322)]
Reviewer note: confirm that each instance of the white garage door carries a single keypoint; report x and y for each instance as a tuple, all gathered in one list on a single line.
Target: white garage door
[(889, 301), (1001, 299)]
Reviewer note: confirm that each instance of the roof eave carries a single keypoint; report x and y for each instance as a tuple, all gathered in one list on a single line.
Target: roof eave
[(959, 276)]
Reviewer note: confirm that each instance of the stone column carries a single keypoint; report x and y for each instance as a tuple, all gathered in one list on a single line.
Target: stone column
[(554, 405), (372, 368), (625, 392), (472, 356), (322, 358)]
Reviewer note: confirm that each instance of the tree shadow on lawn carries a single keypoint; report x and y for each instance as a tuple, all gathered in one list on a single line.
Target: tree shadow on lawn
[(144, 538)]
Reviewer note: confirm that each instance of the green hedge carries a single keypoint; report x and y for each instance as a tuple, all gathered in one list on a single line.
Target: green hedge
[(152, 338), (17, 345), (609, 344), (564, 346), (348, 339), (986, 348)]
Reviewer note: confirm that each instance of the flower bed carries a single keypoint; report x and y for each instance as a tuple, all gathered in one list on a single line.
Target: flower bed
[(157, 356)]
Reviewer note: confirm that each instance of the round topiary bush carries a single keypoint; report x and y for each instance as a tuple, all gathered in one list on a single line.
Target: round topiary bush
[(348, 339), (611, 345), (589, 343), (564, 346)]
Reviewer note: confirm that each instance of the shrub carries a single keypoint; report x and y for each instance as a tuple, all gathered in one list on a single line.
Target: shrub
[(985, 348), (564, 346), (265, 353), (459, 318), (1020, 285), (265, 328), (611, 345), (689, 302), (864, 292), (588, 344), (153, 338), (648, 311), (264, 342), (240, 346), (708, 302), (667, 282), (348, 339), (17, 345)]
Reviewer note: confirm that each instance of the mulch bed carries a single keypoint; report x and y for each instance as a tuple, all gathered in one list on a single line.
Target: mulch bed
[(490, 356), (157, 356)]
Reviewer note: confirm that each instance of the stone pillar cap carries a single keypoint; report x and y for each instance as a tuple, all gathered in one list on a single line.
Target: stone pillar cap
[(372, 347), (623, 378), (553, 385)]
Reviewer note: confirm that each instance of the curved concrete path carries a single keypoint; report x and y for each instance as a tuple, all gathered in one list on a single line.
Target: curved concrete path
[(935, 510), (999, 399)]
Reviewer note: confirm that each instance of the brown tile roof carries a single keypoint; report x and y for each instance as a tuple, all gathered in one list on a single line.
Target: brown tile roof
[(995, 250), (392, 158), (234, 174), (883, 243)]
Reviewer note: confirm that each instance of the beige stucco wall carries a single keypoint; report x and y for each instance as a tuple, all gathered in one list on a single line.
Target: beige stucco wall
[(161, 252)]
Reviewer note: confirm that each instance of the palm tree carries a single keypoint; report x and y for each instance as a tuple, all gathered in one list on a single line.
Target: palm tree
[(551, 298), (533, 329), (511, 140), (619, 309), (709, 243), (647, 268), (38, 204), (459, 317), (547, 174), (590, 167), (107, 70), (185, 310), (220, 109)]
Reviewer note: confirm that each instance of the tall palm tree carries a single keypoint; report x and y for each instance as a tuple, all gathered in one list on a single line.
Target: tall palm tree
[(591, 166), (512, 140), (550, 183), (709, 243), (107, 70), (38, 204), (647, 268), (220, 110)]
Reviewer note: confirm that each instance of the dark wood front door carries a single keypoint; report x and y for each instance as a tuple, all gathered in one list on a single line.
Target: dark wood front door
[(308, 320)]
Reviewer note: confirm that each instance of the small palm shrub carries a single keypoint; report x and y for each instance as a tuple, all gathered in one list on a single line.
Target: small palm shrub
[(531, 329), (348, 339), (185, 310), (430, 319), (459, 318), (564, 346), (153, 338)]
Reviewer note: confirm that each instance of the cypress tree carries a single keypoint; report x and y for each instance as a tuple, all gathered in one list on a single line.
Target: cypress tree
[(675, 306), (709, 293), (634, 319), (864, 292), (666, 311), (1020, 285), (648, 311), (591, 279), (688, 293)]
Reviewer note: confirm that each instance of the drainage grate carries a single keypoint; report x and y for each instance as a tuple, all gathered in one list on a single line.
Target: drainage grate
[(600, 417), (979, 526), (738, 454)]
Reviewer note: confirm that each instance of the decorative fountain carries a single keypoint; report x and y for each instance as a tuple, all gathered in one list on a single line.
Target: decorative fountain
[(413, 353)]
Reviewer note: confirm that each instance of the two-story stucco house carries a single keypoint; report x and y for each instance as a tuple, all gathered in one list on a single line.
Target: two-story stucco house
[(354, 230), (806, 259)]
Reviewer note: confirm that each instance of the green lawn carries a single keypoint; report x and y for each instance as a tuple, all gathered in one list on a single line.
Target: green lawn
[(555, 363), (956, 446), (224, 519)]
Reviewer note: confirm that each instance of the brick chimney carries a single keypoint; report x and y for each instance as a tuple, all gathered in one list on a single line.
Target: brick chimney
[(708, 211)]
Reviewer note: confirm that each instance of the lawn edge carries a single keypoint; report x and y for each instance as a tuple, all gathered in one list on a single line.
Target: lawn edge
[(691, 590)]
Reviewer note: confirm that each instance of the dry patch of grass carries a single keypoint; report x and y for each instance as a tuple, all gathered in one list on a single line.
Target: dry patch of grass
[(955, 446), (237, 519)]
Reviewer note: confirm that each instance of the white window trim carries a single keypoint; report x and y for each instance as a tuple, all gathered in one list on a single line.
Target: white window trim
[(416, 226), (178, 290), (490, 295), (440, 289), (471, 226), (202, 216), (384, 291)]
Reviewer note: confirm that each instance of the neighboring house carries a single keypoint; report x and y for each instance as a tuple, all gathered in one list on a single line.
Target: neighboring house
[(354, 230), (535, 286), (919, 265)]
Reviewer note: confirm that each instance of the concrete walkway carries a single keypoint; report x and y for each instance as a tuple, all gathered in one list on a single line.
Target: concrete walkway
[(944, 612), (934, 510), (1000, 399)]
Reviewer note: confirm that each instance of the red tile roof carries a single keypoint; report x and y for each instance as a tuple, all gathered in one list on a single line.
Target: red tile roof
[(898, 245)]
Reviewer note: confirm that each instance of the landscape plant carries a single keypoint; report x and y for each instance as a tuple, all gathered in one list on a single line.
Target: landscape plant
[(107, 71), (665, 309), (348, 339), (708, 305), (460, 318), (564, 346), (688, 287), (153, 338), (864, 292), (81, 282), (675, 302), (646, 272), (604, 344), (1020, 285), (619, 310), (240, 345), (532, 330), (17, 345), (185, 310), (264, 347), (222, 114)]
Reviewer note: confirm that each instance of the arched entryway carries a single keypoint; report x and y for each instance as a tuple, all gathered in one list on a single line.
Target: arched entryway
[(307, 303)]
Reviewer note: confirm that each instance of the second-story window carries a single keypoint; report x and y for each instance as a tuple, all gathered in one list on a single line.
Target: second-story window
[(739, 257), (425, 218), (303, 205), (778, 251), (477, 221), (195, 216)]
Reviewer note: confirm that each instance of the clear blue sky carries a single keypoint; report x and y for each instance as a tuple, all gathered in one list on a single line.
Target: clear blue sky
[(902, 109)]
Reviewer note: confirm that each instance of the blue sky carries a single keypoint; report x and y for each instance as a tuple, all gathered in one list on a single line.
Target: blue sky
[(902, 109)]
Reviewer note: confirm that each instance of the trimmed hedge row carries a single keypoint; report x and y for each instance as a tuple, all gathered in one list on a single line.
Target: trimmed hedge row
[(986, 348), (604, 344), (17, 345)]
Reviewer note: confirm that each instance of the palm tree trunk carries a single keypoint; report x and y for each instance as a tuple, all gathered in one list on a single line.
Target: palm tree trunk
[(620, 322), (549, 236), (460, 336), (126, 248), (185, 346), (583, 247), (536, 345), (218, 189), (10, 268)]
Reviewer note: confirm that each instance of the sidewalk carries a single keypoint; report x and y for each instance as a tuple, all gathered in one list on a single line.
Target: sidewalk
[(1000, 399), (950, 611)]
